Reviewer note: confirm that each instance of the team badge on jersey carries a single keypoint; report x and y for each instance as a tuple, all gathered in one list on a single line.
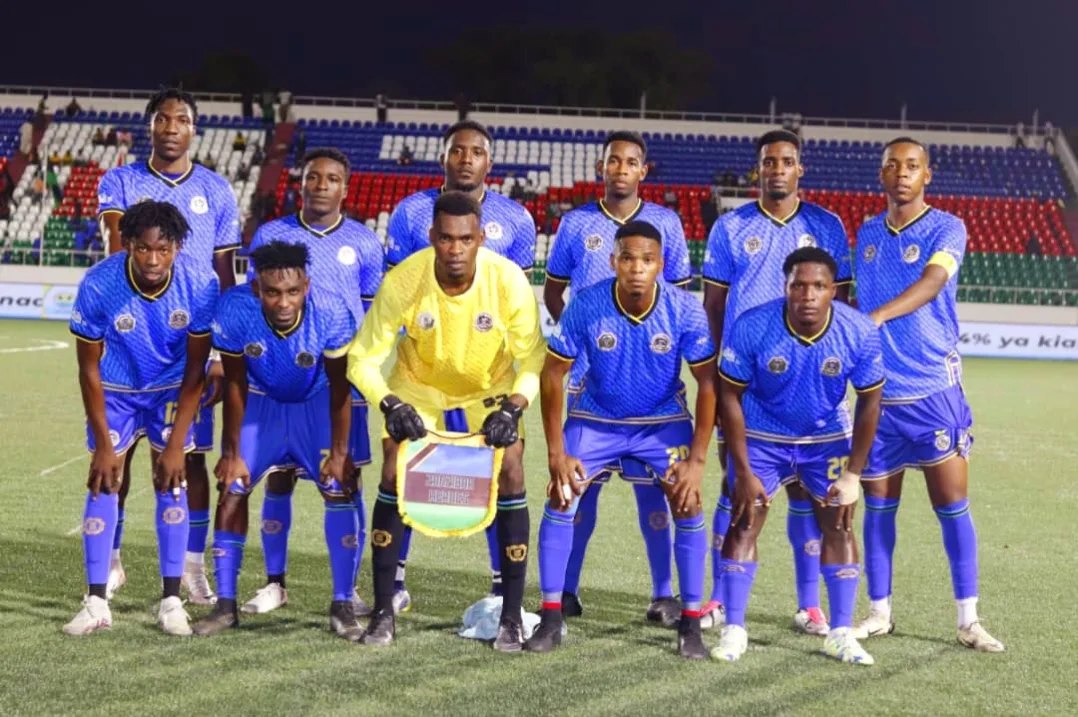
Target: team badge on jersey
[(870, 253), (777, 364), (426, 320), (179, 319), (254, 350), (484, 322), (346, 255), (805, 240), (661, 343), (593, 242), (606, 341), (199, 205), (304, 359), (943, 440), (753, 245), (174, 516), (125, 323), (832, 366), (493, 231), (912, 254)]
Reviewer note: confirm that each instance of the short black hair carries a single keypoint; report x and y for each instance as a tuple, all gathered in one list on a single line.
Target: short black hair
[(908, 140), (279, 256), (328, 153), (778, 135), (626, 136), (809, 255), (466, 125), (150, 214), (171, 93), (638, 229), (457, 204)]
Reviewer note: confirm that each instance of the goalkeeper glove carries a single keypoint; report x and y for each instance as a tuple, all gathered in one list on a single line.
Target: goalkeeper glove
[(402, 421), (501, 427)]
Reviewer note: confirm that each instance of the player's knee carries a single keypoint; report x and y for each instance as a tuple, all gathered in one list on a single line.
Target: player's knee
[(689, 512), (795, 491), (232, 512), (196, 461), (334, 498), (511, 478), (281, 482)]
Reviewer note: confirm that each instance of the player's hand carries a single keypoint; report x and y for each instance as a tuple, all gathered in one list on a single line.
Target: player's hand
[(877, 318), (215, 379), (683, 481), (169, 473), (748, 491), (105, 468), (845, 492), (230, 469), (568, 479), (502, 427), (339, 467), (402, 420)]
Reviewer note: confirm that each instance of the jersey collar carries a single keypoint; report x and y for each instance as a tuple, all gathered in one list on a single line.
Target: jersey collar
[(622, 222), (634, 319), (291, 329), (320, 232), (129, 273), (482, 197), (171, 182), (775, 220), (895, 231), (808, 340)]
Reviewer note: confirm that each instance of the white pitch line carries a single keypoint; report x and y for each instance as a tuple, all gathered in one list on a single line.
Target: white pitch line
[(58, 466), (46, 345)]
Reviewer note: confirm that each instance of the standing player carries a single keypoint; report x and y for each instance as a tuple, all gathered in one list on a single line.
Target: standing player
[(581, 257), (142, 317), (743, 269), (468, 316), (785, 367), (508, 230), (208, 204), (346, 259), (630, 326), (287, 402), (907, 266)]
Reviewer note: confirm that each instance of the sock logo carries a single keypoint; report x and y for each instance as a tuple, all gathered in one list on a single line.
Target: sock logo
[(381, 538), (218, 552), (516, 553), (848, 573), (812, 547), (659, 520), (272, 527), (731, 567), (350, 542), (93, 526), (174, 516), (716, 541)]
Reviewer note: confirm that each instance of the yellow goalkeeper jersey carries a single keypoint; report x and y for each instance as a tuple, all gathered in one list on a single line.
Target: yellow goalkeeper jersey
[(462, 346)]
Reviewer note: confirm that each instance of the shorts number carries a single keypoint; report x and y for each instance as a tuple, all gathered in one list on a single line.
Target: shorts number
[(835, 466), (677, 453), (170, 412)]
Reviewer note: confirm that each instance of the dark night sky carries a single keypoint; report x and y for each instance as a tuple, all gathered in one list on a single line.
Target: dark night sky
[(990, 61)]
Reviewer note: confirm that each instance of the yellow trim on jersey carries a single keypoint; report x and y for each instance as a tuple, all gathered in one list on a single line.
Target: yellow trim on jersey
[(87, 339), (730, 379), (103, 212), (808, 339), (873, 387), (228, 353), (287, 332), (844, 281), (694, 364), (320, 232), (230, 247), (897, 230), (171, 182), (637, 318), (134, 284), (946, 260), (337, 353), (714, 282), (621, 222), (199, 334), (563, 357), (784, 220)]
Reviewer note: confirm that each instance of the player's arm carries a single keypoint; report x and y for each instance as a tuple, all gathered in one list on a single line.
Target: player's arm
[(524, 238), (105, 465), (398, 237), (559, 267), (866, 417), (554, 296), (718, 274), (224, 265), (920, 292), (170, 464), (227, 239), (231, 466), (676, 265), (110, 230), (338, 465), (748, 488), (566, 472), (111, 206), (715, 306)]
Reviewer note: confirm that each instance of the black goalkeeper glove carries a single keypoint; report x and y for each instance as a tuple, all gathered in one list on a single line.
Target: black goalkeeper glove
[(402, 421), (502, 427)]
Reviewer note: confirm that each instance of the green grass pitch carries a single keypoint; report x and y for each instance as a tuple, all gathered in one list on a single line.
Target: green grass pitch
[(1024, 500)]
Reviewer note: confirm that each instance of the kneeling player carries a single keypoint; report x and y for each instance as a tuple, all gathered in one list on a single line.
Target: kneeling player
[(287, 403), (630, 328), (142, 317), (784, 413)]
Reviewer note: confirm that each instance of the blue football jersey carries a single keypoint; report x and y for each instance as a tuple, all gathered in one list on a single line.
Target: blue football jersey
[(509, 229), (919, 349), (582, 247), (145, 335), (288, 365), (345, 258), (204, 197), (748, 246), (633, 362), (796, 385)]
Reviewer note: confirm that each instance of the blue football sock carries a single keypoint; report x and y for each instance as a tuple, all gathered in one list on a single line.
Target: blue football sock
[(654, 516), (200, 528), (736, 587), (804, 534), (690, 552), (227, 561), (880, 534), (495, 559), (720, 524), (361, 527), (118, 538), (99, 519), (402, 561), (587, 514), (341, 527), (555, 544), (276, 525), (172, 528), (960, 542), (841, 581)]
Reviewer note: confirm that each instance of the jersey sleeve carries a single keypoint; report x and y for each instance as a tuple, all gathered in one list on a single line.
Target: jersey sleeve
[(524, 336), (948, 247), (110, 194), (398, 237), (227, 228), (838, 245), (676, 267), (868, 372), (522, 250), (340, 330), (226, 336), (204, 306), (695, 343), (563, 341), (374, 342), (370, 269), (718, 260), (560, 262), (88, 320), (736, 363)]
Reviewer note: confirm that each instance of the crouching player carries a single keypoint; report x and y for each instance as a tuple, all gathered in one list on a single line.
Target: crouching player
[(633, 332), (784, 413), (142, 319), (287, 402)]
